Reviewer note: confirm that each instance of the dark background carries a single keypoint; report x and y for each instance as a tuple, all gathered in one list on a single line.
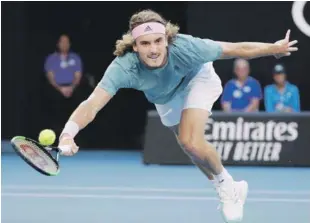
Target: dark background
[(30, 32)]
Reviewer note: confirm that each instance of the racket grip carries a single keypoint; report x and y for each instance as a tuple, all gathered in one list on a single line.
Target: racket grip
[(64, 149)]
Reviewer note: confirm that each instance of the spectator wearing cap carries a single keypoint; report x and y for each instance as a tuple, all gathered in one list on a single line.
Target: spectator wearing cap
[(244, 93), (281, 96)]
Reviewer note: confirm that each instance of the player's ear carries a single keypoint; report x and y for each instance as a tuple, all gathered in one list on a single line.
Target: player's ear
[(134, 46), (166, 41)]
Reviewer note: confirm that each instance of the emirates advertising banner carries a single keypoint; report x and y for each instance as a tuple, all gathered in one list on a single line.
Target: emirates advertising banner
[(258, 139), (240, 139)]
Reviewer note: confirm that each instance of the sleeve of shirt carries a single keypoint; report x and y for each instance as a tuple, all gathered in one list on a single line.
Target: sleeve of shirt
[(114, 79), (256, 90), (269, 105), (78, 64), (201, 50), (48, 64), (295, 100), (227, 93), (212, 50)]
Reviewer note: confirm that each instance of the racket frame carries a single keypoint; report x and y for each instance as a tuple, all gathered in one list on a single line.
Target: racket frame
[(43, 149)]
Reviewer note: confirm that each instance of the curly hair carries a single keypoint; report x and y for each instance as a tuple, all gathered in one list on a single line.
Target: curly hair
[(125, 44)]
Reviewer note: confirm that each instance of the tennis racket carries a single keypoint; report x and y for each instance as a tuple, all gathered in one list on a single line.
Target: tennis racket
[(38, 156)]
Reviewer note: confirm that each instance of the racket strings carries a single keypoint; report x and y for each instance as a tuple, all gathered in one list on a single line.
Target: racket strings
[(35, 154)]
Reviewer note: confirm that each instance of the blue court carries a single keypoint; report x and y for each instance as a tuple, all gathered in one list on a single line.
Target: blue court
[(116, 187)]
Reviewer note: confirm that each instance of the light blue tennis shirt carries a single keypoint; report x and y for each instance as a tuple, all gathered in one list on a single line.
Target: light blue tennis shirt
[(275, 100), (186, 55)]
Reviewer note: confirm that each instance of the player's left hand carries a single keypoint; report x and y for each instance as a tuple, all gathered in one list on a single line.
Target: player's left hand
[(286, 46)]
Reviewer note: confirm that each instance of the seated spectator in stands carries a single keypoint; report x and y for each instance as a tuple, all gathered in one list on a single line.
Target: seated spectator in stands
[(244, 93), (281, 96), (64, 72)]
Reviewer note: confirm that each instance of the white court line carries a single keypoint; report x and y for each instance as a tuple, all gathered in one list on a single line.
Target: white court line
[(144, 189), (143, 197)]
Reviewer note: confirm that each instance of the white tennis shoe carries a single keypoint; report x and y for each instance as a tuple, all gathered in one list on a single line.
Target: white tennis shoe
[(232, 197)]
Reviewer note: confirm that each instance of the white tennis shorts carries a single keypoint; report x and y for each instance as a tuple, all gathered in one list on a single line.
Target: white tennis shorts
[(202, 92)]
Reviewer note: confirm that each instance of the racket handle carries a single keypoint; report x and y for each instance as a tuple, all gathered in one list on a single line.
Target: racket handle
[(64, 149)]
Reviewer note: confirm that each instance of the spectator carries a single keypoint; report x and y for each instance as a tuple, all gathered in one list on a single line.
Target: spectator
[(244, 93), (64, 72), (64, 68), (281, 96)]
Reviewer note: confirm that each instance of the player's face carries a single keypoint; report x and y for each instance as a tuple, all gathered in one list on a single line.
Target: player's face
[(152, 49), (279, 78), (64, 44)]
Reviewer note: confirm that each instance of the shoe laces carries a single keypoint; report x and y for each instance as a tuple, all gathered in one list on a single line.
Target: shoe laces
[(227, 193)]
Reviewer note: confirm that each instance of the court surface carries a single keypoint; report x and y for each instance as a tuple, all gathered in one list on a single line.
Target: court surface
[(116, 187)]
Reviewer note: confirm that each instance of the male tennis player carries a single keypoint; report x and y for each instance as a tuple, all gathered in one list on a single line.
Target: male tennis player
[(175, 73)]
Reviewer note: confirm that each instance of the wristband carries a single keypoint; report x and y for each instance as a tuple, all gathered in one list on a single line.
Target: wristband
[(71, 128)]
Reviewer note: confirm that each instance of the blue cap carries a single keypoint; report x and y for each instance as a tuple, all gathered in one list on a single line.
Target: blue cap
[(279, 69)]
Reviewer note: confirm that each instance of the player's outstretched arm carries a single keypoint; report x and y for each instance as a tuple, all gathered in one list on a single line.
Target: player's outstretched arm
[(250, 50), (82, 116)]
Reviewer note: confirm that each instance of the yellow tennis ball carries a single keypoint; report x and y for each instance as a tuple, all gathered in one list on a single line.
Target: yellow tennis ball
[(47, 137)]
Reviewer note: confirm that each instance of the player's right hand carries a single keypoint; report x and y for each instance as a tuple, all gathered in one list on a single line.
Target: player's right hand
[(67, 141)]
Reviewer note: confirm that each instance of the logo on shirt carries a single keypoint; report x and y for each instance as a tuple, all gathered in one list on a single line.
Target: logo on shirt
[(71, 62), (64, 64), (237, 94), (247, 89)]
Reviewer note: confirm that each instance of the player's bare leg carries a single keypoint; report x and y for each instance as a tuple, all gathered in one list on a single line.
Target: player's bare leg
[(206, 170), (191, 137)]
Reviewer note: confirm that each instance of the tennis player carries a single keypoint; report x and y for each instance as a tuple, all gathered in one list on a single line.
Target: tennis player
[(175, 73)]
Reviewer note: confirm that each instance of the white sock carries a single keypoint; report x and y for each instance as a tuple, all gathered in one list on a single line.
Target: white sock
[(220, 178)]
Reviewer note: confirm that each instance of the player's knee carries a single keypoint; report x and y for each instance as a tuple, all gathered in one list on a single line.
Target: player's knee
[(190, 144)]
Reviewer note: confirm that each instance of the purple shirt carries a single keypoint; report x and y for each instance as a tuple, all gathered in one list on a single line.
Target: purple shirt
[(63, 68)]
